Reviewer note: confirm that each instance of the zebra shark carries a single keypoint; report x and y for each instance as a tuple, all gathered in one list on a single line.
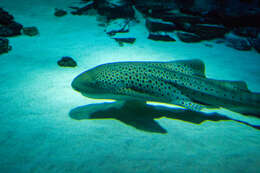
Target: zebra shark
[(181, 83)]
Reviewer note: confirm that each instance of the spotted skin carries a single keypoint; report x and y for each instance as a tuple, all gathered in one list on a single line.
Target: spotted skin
[(178, 82)]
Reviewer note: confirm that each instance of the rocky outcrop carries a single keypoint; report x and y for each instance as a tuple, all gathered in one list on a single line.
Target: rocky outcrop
[(155, 25), (117, 26), (188, 37), (229, 12), (208, 31), (154, 6), (196, 19), (4, 45), (83, 10), (255, 43), (238, 43), (160, 37), (113, 9), (251, 32), (8, 27)]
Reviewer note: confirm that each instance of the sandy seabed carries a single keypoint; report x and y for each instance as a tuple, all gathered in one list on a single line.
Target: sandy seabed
[(45, 126)]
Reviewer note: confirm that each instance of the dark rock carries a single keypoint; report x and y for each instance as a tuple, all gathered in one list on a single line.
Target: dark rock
[(30, 31), (154, 6), (219, 41), (8, 27), (241, 16), (67, 62), (208, 31), (193, 10), (179, 18), (247, 31), (113, 9), (60, 12), (160, 37), (188, 37), (83, 10), (117, 26), (12, 29), (155, 25), (237, 42), (255, 43), (228, 12), (231, 13), (5, 17), (208, 45), (4, 45), (121, 41)]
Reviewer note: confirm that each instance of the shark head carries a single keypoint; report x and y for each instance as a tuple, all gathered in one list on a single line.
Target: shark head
[(87, 84)]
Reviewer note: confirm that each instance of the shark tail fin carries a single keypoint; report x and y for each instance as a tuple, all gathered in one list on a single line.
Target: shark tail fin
[(256, 98), (247, 111), (250, 109)]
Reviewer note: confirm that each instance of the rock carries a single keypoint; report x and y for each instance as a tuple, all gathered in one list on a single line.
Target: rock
[(155, 25), (5, 17), (113, 9), (67, 62), (4, 45), (255, 43), (83, 10), (30, 31), (247, 31), (219, 41), (154, 6), (188, 37), (208, 31), (238, 43), (12, 29), (208, 45), (241, 16), (160, 37), (117, 26), (8, 27), (229, 13), (178, 18), (60, 12), (121, 41)]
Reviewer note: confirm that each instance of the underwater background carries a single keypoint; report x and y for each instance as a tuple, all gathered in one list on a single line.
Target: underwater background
[(46, 126)]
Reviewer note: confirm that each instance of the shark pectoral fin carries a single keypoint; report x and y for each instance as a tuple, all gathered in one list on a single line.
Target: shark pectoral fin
[(136, 93), (195, 106)]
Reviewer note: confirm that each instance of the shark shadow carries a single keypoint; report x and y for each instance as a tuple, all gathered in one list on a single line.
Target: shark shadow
[(142, 116)]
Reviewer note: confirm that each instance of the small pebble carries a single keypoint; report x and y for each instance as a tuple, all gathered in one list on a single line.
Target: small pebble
[(59, 12), (67, 61), (30, 31)]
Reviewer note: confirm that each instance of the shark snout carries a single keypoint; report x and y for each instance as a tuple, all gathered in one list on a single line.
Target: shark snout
[(83, 82), (76, 84)]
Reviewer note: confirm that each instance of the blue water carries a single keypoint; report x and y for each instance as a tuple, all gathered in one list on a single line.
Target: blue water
[(46, 126)]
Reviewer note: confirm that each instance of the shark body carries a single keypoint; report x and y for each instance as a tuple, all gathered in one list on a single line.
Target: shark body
[(181, 83)]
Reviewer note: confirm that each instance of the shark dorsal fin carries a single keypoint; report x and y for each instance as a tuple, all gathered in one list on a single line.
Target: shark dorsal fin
[(193, 67)]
